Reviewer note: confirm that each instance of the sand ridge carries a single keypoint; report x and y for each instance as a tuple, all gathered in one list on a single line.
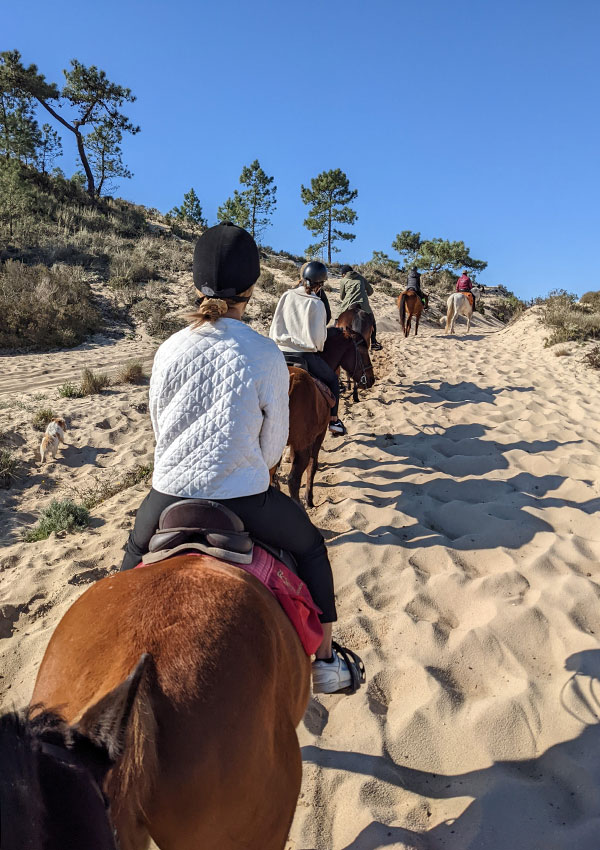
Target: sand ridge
[(459, 512)]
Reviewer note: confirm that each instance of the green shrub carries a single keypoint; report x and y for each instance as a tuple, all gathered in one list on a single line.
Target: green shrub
[(93, 383), (130, 373), (44, 308), (508, 308), (592, 300), (69, 390), (41, 418), (386, 288), (8, 466), (568, 319), (62, 515)]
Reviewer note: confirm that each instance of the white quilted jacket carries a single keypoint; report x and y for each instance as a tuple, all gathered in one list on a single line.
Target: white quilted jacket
[(219, 408)]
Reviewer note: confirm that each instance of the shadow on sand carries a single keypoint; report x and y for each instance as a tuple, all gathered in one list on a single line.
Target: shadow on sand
[(545, 803)]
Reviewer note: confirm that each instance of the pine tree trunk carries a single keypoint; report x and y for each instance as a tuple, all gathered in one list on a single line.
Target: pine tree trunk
[(329, 239), (91, 189)]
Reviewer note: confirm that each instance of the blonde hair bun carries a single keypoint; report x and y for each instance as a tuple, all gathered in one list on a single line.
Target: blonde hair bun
[(209, 310)]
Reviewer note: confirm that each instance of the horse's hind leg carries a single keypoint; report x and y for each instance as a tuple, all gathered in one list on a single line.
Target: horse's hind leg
[(354, 392), (469, 321), (299, 464), (417, 323), (407, 331), (313, 465)]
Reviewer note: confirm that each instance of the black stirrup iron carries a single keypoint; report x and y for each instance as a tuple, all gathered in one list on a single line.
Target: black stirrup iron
[(355, 666)]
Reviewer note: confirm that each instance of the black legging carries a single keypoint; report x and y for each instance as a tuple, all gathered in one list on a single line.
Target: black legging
[(271, 517), (374, 331), (323, 371)]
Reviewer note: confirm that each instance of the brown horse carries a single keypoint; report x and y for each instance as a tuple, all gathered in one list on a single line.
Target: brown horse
[(309, 419), (310, 412), (409, 305), (196, 749), (357, 320)]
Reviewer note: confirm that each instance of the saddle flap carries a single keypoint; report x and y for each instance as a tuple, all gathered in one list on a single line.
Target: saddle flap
[(199, 514)]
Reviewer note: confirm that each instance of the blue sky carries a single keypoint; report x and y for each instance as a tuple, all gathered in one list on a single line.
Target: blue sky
[(464, 119)]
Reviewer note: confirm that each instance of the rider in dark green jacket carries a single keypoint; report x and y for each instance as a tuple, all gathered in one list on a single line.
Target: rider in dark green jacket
[(354, 292)]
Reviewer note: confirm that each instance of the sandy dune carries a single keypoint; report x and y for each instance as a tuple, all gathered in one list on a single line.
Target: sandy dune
[(460, 512)]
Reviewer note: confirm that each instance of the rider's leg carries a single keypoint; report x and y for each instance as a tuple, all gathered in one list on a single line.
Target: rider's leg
[(323, 371), (277, 520), (375, 344), (146, 523)]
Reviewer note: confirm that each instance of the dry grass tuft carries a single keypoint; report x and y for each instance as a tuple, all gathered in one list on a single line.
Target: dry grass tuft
[(592, 357), (8, 467), (113, 484), (93, 383), (45, 308), (42, 417), (130, 373)]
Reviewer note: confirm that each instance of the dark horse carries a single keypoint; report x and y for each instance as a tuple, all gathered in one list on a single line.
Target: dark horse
[(196, 747), (309, 411), (409, 305), (356, 320)]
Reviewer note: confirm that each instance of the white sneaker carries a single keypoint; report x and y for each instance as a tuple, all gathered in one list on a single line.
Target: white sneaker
[(337, 427), (329, 678)]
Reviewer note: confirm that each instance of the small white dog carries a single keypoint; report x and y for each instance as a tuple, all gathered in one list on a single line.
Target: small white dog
[(55, 434)]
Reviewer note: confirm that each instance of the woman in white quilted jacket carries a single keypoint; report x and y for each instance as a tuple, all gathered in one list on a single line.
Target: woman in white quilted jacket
[(219, 409)]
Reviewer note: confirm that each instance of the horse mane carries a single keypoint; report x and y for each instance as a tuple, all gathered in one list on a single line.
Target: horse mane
[(20, 735)]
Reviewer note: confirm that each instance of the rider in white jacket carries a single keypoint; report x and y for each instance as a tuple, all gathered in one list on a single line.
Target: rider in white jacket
[(219, 408), (299, 327)]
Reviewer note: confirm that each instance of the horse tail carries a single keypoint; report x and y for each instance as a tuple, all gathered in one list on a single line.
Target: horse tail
[(403, 309), (450, 312)]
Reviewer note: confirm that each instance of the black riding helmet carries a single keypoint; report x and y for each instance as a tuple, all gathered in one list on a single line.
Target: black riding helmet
[(314, 273)]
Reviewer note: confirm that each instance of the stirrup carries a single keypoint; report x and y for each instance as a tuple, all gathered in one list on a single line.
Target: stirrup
[(355, 666)]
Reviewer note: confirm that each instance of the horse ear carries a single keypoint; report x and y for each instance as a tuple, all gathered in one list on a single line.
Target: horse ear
[(105, 722)]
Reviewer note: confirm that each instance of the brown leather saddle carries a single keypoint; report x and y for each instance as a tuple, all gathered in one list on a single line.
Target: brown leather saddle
[(200, 525), (207, 527), (299, 362)]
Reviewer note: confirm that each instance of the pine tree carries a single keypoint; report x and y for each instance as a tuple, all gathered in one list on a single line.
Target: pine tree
[(94, 100), (105, 156), (190, 209), (235, 209), (17, 198), (329, 197), (433, 255), (259, 196), (253, 206), (19, 130), (50, 149)]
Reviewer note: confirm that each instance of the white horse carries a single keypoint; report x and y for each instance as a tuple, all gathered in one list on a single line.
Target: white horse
[(458, 305)]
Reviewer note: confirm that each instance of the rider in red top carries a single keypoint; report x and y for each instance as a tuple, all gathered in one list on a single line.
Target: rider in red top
[(465, 284)]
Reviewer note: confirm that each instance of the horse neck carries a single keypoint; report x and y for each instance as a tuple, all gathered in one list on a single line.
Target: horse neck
[(337, 347)]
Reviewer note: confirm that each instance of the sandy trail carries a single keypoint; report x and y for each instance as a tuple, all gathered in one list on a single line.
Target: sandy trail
[(460, 512), (465, 547)]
